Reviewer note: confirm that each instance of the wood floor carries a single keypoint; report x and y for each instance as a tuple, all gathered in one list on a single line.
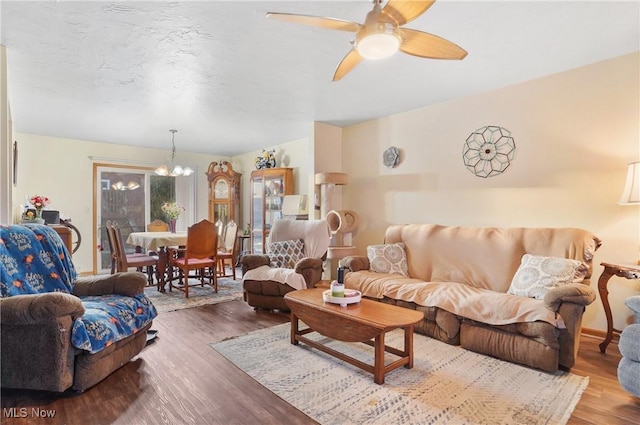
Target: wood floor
[(179, 379)]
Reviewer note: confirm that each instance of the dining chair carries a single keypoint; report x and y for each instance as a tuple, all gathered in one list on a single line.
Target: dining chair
[(199, 254), (124, 261), (113, 251), (158, 225), (229, 250)]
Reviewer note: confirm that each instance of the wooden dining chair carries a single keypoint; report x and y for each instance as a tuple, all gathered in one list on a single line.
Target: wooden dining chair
[(113, 251), (122, 261), (199, 254), (229, 250), (158, 226)]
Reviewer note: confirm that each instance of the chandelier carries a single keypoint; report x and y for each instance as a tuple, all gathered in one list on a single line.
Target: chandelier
[(172, 169)]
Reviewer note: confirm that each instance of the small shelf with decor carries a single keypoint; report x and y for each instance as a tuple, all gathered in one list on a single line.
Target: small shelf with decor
[(268, 188)]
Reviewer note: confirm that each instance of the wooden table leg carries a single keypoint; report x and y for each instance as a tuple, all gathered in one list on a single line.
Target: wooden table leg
[(378, 365), (294, 328), (604, 297), (408, 345), (163, 258)]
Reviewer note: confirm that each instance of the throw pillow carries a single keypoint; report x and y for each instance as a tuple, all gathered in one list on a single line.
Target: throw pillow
[(285, 253), (388, 258), (538, 275)]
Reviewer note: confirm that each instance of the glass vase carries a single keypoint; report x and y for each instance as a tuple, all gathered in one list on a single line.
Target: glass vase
[(172, 225), (38, 219)]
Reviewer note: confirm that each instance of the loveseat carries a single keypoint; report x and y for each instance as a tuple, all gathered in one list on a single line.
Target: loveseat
[(464, 281), (58, 331)]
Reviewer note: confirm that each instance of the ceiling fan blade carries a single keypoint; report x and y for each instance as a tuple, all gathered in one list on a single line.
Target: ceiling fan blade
[(406, 11), (349, 62), (316, 21), (425, 45)]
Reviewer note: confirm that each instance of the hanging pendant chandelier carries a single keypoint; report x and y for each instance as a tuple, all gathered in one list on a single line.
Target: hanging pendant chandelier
[(171, 168)]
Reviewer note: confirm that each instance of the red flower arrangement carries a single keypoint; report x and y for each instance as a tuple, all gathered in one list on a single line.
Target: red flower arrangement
[(39, 201)]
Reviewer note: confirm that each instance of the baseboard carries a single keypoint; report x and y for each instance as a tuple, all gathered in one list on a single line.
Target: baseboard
[(599, 334)]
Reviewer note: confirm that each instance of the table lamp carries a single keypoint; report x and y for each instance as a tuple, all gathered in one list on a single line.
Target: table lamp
[(631, 192)]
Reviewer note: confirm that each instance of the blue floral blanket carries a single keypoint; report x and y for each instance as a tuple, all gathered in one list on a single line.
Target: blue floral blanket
[(34, 260)]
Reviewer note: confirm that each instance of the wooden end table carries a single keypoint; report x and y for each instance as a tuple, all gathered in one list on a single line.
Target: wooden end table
[(626, 271), (360, 322)]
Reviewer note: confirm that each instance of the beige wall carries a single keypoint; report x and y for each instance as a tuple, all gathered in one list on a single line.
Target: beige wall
[(6, 142), (294, 154), (574, 131), (62, 170)]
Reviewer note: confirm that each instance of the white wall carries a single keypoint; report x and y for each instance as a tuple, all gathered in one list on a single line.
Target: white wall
[(62, 170), (574, 131)]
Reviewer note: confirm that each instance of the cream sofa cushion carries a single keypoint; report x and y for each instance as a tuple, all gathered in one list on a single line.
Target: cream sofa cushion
[(478, 304), (537, 275), (388, 258)]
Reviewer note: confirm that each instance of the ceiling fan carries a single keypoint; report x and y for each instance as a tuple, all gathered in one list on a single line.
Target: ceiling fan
[(382, 34)]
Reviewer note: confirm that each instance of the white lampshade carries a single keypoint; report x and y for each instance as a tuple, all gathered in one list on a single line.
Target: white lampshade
[(162, 170), (631, 192)]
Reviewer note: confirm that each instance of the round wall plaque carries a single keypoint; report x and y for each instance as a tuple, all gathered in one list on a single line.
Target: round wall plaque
[(390, 157)]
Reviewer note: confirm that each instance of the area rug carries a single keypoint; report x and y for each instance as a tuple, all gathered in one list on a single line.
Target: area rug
[(228, 290), (447, 385)]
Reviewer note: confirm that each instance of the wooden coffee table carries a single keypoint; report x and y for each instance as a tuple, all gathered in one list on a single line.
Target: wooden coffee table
[(359, 322)]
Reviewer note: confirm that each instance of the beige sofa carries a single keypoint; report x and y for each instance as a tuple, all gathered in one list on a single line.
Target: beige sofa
[(459, 277)]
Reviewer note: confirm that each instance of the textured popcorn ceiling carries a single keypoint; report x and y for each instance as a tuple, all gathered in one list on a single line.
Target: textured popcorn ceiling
[(231, 80)]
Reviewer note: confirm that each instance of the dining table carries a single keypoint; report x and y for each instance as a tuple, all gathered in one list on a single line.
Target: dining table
[(158, 242)]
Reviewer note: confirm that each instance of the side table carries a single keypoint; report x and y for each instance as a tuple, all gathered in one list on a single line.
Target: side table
[(243, 250), (626, 271)]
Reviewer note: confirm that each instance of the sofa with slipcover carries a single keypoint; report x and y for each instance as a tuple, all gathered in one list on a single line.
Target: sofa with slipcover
[(629, 344), (517, 294), (59, 331)]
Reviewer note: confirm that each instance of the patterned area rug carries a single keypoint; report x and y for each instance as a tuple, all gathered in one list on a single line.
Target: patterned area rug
[(228, 290), (447, 385)]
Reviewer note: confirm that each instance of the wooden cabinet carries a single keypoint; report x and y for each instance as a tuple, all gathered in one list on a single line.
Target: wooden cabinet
[(224, 193), (268, 187), (65, 234)]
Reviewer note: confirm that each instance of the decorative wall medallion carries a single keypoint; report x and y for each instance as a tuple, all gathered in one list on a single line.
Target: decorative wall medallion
[(488, 151), (390, 157)]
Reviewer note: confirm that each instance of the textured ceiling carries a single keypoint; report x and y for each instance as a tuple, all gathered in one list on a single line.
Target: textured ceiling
[(232, 81)]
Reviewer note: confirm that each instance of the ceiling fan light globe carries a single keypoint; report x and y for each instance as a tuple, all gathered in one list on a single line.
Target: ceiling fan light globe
[(378, 41)]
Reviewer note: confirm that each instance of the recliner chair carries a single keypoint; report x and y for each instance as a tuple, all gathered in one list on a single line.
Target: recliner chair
[(296, 250), (60, 332)]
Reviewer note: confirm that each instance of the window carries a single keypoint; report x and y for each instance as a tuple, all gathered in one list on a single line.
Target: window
[(133, 197)]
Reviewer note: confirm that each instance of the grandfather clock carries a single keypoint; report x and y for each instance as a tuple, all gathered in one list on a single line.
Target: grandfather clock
[(224, 193)]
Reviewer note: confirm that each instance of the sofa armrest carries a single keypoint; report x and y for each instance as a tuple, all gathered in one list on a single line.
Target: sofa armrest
[(311, 269), (355, 263), (39, 308), (576, 293), (125, 283), (252, 261)]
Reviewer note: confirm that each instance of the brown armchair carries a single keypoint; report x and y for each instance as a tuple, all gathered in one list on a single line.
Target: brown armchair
[(36, 337), (264, 283), (59, 331)]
